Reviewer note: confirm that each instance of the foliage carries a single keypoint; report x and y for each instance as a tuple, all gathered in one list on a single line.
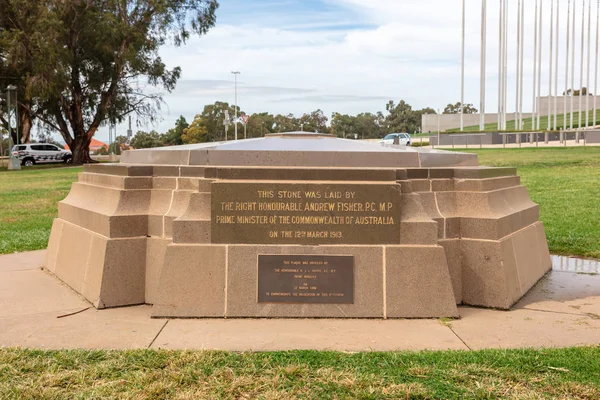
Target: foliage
[(196, 132), (343, 125), (102, 151), (363, 126), (213, 116), (568, 373), (455, 109), (577, 92), (114, 148), (101, 52), (316, 121), (286, 123), (173, 135), (260, 124), (146, 140), (402, 118)]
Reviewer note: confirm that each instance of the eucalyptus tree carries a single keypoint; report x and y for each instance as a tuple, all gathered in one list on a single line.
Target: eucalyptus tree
[(97, 61)]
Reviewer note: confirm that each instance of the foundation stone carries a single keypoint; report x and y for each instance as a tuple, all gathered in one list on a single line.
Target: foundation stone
[(298, 225)]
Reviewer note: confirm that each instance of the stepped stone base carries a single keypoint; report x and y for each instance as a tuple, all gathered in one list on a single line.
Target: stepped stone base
[(441, 231)]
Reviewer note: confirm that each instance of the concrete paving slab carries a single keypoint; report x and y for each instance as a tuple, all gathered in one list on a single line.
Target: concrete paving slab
[(26, 292), (22, 261), (562, 310), (302, 334), (567, 292), (119, 328), (484, 328)]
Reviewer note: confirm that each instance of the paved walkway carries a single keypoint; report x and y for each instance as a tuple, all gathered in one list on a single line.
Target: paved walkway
[(36, 310)]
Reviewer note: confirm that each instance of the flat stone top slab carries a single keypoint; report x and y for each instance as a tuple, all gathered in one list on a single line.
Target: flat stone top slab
[(298, 149)]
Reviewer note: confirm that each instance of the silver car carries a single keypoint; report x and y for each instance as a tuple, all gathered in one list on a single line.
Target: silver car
[(38, 153)]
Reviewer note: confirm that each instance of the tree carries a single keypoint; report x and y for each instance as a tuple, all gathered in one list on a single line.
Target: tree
[(455, 109), (401, 117), (316, 121), (196, 132), (369, 125), (260, 124), (286, 123), (146, 140), (100, 52), (173, 135), (581, 92), (121, 140), (213, 116), (343, 125), (14, 68)]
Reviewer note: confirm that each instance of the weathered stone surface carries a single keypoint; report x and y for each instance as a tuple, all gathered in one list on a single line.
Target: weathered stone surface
[(242, 283), (418, 283), (192, 282), (183, 228)]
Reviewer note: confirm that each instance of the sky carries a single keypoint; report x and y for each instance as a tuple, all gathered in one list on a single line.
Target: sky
[(347, 56)]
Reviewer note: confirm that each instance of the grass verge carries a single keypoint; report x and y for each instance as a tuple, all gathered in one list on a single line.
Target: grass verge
[(28, 204), (528, 122), (518, 374)]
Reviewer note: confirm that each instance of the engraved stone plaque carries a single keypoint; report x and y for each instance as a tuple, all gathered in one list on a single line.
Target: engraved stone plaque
[(305, 279), (305, 213)]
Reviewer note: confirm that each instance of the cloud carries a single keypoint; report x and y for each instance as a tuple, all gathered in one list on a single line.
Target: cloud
[(216, 87), (347, 56), (334, 98)]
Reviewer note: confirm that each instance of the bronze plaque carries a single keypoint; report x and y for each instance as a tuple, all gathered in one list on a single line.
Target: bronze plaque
[(305, 279), (305, 213)]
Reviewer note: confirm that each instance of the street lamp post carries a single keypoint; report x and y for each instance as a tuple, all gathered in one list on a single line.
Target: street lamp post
[(13, 162), (235, 121)]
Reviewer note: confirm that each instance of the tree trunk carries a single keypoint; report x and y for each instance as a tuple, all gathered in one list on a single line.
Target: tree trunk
[(80, 149), (26, 124)]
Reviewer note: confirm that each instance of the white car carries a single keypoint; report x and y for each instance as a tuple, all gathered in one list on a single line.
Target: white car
[(37, 153), (403, 139)]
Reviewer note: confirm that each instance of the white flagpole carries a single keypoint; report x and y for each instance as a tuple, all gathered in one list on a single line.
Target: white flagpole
[(500, 44), (550, 97), (587, 85), (581, 64), (573, 66), (567, 66), (505, 66), (539, 89), (518, 75), (596, 62), (521, 66), (482, 78), (462, 71), (556, 65), (535, 34)]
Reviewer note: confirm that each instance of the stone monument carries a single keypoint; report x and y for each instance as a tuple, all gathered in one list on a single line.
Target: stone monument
[(298, 225)]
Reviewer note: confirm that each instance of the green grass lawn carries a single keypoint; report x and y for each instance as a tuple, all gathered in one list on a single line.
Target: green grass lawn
[(148, 374), (560, 122), (28, 204)]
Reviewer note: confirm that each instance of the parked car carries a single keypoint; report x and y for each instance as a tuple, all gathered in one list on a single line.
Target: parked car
[(403, 139), (39, 153)]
